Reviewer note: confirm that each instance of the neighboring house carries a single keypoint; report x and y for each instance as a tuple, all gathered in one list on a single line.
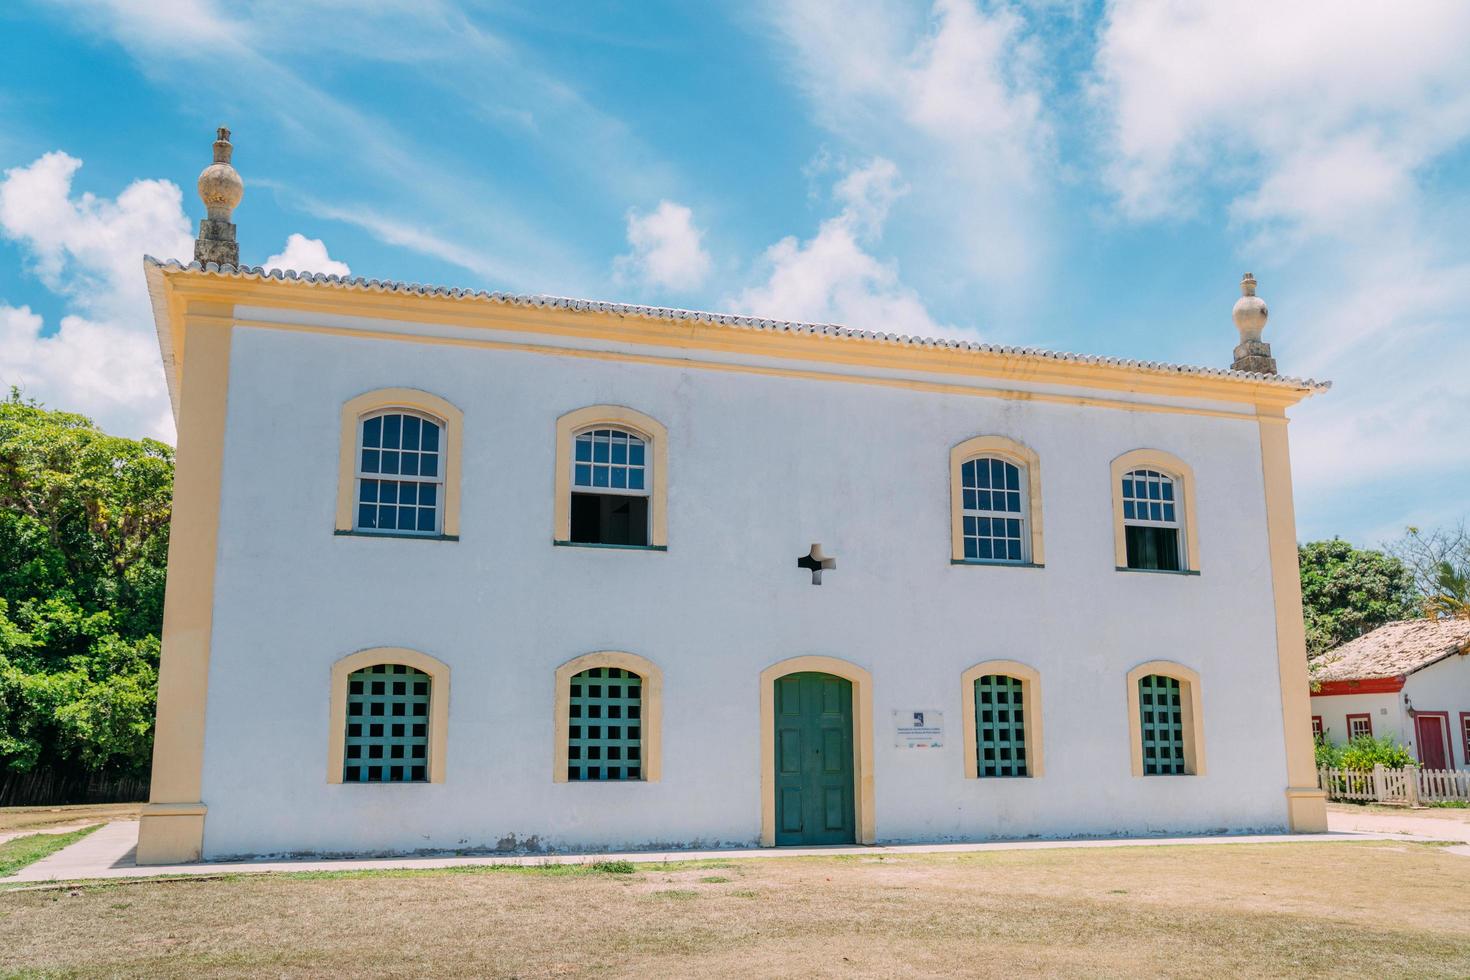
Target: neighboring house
[(456, 570), (1410, 680)]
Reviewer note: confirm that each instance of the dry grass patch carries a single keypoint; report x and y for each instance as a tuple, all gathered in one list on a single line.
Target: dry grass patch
[(1268, 909), (37, 817)]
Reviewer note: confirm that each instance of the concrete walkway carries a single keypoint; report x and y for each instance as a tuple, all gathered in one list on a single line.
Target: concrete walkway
[(109, 853), (63, 829)]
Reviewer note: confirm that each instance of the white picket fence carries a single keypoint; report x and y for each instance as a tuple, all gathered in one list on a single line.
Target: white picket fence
[(1410, 785)]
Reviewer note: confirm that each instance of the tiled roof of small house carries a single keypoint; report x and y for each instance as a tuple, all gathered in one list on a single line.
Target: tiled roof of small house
[(738, 322), (1394, 650)]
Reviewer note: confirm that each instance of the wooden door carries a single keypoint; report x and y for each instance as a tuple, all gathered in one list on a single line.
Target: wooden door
[(814, 765), (1429, 732)]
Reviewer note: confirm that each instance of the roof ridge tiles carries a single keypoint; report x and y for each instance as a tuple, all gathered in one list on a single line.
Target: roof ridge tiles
[(741, 321)]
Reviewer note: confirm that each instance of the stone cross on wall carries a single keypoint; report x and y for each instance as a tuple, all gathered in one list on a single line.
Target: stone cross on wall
[(816, 562)]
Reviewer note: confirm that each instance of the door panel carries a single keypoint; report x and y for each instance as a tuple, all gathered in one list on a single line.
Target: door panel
[(1430, 734), (814, 764)]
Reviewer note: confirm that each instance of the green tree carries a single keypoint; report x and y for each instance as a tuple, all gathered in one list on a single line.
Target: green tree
[(1347, 592), (1440, 561), (83, 547)]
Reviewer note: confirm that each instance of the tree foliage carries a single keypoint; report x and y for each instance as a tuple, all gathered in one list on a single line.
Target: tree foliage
[(83, 547), (1440, 562), (1363, 753), (1347, 592)]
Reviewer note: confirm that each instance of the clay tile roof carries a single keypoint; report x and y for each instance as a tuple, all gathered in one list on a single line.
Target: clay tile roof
[(734, 321), (1394, 650)]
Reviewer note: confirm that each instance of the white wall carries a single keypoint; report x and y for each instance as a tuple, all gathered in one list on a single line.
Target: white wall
[(1444, 686), (1386, 710), (760, 467)]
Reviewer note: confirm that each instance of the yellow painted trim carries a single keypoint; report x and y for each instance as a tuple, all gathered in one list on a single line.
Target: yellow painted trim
[(1189, 705), (167, 834), (653, 708), (617, 416), (702, 336), (416, 400), (862, 742), (1004, 448), (1306, 804), (438, 672), (1030, 680), (1183, 478), (908, 384)]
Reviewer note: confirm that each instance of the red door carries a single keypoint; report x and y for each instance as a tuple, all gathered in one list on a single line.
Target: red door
[(1429, 731)]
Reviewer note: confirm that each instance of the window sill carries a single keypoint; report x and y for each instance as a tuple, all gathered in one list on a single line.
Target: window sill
[(395, 534), (995, 564), (611, 547), (1157, 571)]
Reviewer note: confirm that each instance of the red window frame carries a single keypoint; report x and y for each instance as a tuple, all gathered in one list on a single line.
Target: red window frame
[(1465, 731), (1367, 721), (1317, 726)]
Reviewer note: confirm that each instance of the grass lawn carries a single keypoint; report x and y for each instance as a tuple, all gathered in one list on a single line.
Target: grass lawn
[(36, 817), (1346, 909), (18, 852)]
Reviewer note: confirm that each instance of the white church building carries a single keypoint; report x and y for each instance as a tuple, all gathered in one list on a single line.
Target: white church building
[(456, 570)]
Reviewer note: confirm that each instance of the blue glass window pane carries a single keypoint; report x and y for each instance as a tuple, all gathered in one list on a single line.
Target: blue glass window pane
[(599, 451), (620, 452), (429, 466), (426, 520), (1153, 490), (982, 526), (1128, 509), (967, 473), (982, 500), (370, 460), (389, 463), (982, 549), (1013, 478), (1014, 551), (407, 518), (410, 432), (408, 493), (428, 494), (969, 500), (431, 437), (635, 452), (372, 432), (584, 475), (584, 449), (387, 518), (982, 474), (1127, 488), (997, 474), (619, 477), (368, 493), (392, 425), (1156, 513), (1013, 503), (972, 548), (635, 479), (410, 464), (1013, 529), (388, 492), (1168, 512), (970, 523), (599, 475), (365, 515), (1169, 491)]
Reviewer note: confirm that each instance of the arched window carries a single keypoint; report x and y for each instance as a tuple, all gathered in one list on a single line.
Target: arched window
[(1165, 721), (610, 488), (611, 479), (1153, 513), (1002, 720), (608, 711), (400, 473), (389, 714), (399, 469), (995, 486)]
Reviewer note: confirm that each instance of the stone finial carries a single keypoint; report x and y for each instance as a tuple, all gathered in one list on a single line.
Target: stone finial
[(1252, 353), (220, 188)]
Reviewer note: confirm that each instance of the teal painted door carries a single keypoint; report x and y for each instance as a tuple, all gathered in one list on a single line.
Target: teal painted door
[(814, 784)]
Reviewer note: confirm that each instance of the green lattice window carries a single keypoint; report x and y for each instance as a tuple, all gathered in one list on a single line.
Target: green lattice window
[(605, 734), (387, 725), (1162, 725), (1000, 726)]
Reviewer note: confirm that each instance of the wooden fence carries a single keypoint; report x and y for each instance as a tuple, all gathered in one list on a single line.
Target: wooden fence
[(47, 787), (1410, 785)]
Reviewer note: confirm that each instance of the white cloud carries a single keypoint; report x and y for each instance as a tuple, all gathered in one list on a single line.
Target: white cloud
[(833, 278), (955, 98), (306, 255), (103, 359), (668, 250)]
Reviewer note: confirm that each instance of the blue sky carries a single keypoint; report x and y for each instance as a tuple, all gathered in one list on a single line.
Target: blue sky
[(1081, 176)]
